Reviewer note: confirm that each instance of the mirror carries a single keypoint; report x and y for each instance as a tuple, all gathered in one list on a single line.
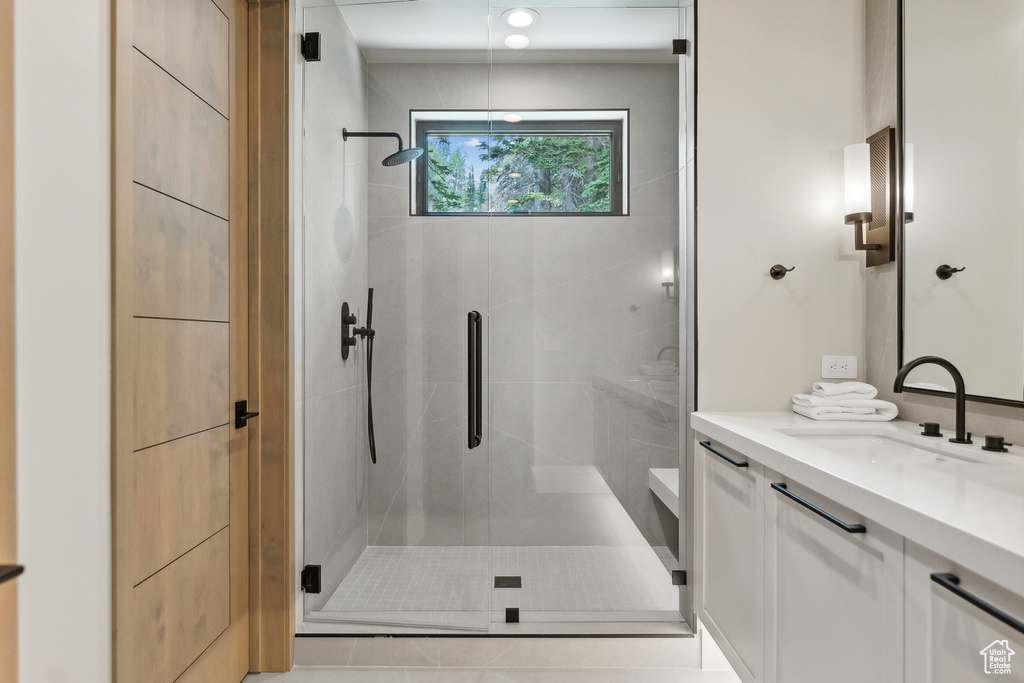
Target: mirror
[(963, 93)]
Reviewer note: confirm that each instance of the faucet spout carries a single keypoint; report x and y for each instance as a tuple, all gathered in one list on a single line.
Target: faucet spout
[(668, 348), (962, 436)]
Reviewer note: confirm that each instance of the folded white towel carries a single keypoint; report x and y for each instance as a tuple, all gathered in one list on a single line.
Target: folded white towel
[(659, 370), (840, 390), (820, 413), (811, 401)]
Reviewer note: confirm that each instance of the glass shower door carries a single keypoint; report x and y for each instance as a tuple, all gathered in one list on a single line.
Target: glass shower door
[(404, 541), (583, 333)]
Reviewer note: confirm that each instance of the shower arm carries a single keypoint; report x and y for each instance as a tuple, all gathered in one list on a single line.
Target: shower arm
[(346, 134)]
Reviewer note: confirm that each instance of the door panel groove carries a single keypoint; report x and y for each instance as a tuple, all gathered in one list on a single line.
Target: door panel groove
[(179, 199), (178, 81), (179, 319), (205, 540), (179, 438), (201, 654)]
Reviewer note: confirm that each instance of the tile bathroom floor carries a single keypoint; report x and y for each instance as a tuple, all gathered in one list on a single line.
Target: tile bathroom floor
[(493, 675)]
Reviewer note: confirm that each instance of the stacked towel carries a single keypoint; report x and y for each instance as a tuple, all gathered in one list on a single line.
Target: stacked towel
[(853, 401), (659, 368)]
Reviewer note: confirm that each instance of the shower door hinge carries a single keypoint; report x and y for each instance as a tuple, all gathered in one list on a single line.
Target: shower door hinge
[(311, 578), (680, 46), (678, 577), (311, 46)]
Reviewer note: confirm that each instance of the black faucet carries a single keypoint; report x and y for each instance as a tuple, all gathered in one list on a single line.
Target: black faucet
[(962, 436)]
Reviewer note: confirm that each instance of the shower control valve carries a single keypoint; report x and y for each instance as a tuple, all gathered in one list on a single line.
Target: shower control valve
[(347, 337)]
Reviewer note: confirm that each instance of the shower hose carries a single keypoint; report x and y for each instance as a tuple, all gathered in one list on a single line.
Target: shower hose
[(369, 377)]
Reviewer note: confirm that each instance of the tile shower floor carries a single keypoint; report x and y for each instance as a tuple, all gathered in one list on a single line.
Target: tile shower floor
[(453, 586)]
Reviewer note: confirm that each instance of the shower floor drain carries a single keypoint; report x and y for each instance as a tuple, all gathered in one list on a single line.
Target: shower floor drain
[(508, 582)]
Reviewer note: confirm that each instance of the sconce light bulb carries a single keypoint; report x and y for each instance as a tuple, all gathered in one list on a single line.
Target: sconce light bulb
[(857, 172), (908, 178), (668, 267)]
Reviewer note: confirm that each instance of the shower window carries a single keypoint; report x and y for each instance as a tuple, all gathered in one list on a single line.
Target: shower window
[(544, 163)]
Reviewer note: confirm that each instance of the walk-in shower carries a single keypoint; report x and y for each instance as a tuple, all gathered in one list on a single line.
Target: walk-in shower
[(524, 395)]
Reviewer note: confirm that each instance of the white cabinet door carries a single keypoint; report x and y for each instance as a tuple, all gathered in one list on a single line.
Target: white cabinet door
[(730, 600), (951, 637), (836, 594)]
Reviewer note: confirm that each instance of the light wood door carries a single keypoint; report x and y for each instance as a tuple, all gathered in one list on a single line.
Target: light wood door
[(8, 590), (731, 588), (181, 341)]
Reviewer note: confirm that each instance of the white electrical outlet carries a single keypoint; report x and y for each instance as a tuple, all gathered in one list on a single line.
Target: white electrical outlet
[(838, 367)]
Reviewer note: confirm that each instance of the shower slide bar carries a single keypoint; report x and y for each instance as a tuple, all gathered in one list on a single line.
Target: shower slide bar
[(475, 392)]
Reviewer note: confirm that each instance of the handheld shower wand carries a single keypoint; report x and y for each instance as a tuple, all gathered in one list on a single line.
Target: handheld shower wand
[(349, 339)]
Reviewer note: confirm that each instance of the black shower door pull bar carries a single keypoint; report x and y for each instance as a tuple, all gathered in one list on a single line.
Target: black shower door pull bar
[(242, 414), (475, 357), (952, 583), (848, 528), (723, 456)]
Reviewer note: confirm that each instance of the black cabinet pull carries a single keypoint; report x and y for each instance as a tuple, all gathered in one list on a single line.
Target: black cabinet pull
[(242, 414), (848, 528), (952, 583), (9, 571), (723, 456), (475, 380)]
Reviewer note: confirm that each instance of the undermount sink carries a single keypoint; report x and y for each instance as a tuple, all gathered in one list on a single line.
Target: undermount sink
[(886, 449)]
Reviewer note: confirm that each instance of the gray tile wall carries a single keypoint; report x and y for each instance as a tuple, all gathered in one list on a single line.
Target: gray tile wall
[(567, 297), (333, 411)]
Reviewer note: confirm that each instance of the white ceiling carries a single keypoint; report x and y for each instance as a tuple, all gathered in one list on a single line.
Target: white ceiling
[(568, 30)]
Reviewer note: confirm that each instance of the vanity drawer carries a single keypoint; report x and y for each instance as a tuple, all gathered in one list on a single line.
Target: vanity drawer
[(835, 609), (730, 585), (955, 633)]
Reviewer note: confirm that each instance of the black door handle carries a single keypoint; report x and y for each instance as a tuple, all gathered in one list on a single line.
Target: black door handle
[(475, 358), (242, 414), (9, 571), (952, 583)]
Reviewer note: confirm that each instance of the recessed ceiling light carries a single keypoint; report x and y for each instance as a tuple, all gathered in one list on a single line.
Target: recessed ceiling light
[(512, 118), (517, 41), (520, 17), (515, 175)]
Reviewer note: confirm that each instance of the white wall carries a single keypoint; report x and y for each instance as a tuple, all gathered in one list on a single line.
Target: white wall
[(62, 167), (780, 92)]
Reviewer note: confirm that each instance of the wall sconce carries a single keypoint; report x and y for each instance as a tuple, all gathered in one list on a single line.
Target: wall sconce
[(870, 176), (908, 183), (668, 274)]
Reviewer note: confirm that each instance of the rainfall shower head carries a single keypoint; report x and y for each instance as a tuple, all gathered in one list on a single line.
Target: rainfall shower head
[(402, 156)]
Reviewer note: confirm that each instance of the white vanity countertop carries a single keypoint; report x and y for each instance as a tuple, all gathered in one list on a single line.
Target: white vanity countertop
[(972, 513)]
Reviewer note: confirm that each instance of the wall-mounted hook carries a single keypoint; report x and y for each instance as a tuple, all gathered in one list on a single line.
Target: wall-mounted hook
[(944, 272), (779, 271)]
